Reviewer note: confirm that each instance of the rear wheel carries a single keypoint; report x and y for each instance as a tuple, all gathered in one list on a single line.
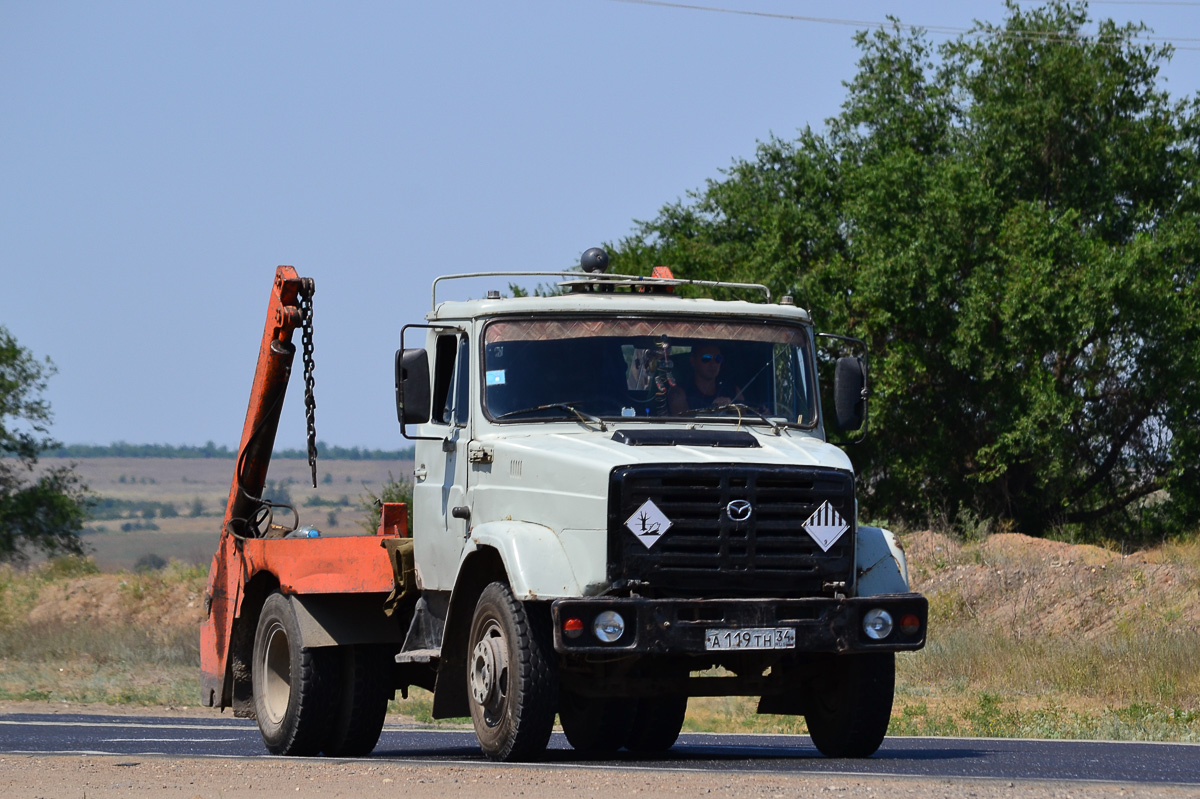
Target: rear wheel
[(362, 706), (294, 688), (593, 724), (512, 682), (656, 724), (849, 705)]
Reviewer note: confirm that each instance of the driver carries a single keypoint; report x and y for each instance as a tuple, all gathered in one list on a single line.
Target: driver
[(706, 390)]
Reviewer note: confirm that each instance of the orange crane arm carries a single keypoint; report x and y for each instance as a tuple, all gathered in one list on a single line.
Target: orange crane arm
[(227, 574), (248, 545), (266, 400)]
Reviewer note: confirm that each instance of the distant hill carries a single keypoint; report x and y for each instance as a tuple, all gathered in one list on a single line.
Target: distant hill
[(121, 449)]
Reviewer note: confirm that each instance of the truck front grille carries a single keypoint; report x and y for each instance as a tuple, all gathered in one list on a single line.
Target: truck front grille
[(705, 553)]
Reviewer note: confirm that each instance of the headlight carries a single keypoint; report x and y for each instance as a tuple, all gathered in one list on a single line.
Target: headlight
[(877, 624), (609, 626)]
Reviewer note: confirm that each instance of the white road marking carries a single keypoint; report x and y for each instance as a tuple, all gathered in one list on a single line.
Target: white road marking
[(165, 740), (121, 725)]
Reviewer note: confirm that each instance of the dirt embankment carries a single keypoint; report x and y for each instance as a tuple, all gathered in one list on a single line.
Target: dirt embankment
[(103, 599), (1031, 586)]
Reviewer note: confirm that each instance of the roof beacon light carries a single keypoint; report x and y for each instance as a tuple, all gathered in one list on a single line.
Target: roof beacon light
[(594, 260), (662, 273)]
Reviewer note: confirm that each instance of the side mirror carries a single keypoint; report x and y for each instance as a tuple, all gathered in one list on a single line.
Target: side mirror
[(850, 393), (412, 386)]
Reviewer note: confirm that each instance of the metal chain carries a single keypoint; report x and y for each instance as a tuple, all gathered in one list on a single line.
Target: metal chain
[(310, 402)]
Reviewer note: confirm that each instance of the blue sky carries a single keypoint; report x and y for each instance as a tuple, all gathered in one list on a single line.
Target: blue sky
[(159, 159)]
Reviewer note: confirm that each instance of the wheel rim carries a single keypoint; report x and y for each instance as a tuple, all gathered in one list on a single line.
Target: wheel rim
[(489, 673), (277, 674)]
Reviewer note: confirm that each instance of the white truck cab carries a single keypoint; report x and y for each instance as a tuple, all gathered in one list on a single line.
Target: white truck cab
[(624, 497)]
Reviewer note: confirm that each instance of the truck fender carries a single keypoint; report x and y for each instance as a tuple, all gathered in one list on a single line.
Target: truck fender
[(882, 567), (344, 620), (534, 559)]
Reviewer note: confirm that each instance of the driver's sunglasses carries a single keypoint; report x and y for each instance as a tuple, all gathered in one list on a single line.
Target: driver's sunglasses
[(709, 358)]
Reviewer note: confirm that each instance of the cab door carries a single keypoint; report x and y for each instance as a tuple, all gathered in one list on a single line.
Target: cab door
[(440, 484)]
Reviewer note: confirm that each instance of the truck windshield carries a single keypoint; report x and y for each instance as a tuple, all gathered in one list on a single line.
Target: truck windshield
[(568, 368)]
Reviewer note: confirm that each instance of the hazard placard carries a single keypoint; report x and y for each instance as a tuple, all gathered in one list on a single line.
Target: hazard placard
[(825, 526), (648, 523)]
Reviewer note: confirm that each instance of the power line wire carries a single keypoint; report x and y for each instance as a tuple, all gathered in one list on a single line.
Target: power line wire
[(943, 29), (1188, 3)]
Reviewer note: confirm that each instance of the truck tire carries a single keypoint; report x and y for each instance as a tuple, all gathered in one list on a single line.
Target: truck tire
[(363, 701), (656, 724), (512, 684), (849, 706), (592, 724), (294, 688)]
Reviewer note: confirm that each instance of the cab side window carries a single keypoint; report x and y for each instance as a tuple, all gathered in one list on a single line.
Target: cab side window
[(462, 384), (443, 376), (451, 379)]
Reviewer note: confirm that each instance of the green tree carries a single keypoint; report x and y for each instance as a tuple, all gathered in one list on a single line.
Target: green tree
[(40, 510), (1012, 221)]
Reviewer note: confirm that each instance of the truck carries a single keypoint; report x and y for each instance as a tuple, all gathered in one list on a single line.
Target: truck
[(622, 497)]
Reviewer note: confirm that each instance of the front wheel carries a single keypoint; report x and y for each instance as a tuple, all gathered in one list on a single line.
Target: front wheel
[(595, 724), (656, 724), (849, 703), (511, 677), (293, 687)]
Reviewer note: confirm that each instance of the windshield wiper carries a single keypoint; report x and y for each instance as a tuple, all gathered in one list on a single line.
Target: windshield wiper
[(775, 426), (566, 406)]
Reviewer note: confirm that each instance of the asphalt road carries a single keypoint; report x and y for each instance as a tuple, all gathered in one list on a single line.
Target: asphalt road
[(1147, 763)]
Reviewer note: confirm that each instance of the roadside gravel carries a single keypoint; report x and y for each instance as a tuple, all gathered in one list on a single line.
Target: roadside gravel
[(99, 777)]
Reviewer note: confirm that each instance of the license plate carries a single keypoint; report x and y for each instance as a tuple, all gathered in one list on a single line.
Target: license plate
[(751, 638)]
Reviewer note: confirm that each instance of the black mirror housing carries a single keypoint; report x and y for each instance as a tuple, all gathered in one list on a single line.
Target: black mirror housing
[(850, 394), (412, 386)]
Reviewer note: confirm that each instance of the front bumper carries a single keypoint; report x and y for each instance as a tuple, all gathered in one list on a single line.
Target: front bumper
[(679, 626)]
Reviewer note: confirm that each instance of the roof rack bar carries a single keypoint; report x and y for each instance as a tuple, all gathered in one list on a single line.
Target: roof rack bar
[(577, 278), (631, 280)]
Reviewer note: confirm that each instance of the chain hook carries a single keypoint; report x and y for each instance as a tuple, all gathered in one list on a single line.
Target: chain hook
[(307, 288)]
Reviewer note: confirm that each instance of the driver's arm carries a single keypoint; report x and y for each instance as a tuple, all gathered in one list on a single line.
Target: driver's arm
[(677, 401)]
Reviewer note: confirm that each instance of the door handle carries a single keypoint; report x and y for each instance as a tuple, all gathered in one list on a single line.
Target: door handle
[(420, 473)]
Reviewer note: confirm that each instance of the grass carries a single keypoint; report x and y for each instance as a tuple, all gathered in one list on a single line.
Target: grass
[(419, 707), (109, 684), (132, 653)]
